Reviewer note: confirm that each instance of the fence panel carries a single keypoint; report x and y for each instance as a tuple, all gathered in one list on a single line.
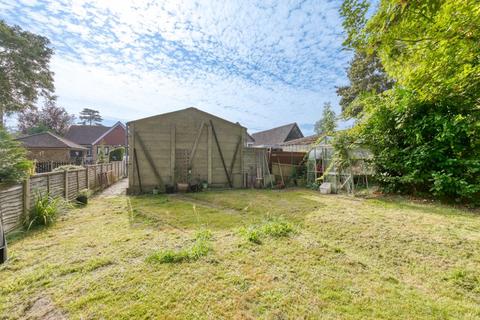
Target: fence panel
[(16, 201), (11, 207)]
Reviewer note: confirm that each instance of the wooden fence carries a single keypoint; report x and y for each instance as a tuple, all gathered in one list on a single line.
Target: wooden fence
[(16, 201)]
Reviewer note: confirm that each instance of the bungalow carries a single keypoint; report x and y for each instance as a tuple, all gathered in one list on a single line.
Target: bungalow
[(98, 138), (47, 146), (272, 138)]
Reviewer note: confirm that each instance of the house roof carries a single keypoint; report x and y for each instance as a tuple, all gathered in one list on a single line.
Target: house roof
[(302, 141), (275, 136), (83, 134), (48, 140), (118, 124)]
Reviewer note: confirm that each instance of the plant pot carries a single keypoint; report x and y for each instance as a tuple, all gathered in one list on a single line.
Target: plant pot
[(204, 185), (182, 187), (155, 191)]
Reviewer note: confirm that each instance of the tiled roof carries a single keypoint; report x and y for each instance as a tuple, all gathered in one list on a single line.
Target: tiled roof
[(48, 140), (83, 134)]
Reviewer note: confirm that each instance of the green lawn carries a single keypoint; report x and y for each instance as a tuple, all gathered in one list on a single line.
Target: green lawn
[(346, 258)]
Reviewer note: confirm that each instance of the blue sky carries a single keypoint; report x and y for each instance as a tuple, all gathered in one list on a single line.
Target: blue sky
[(261, 63)]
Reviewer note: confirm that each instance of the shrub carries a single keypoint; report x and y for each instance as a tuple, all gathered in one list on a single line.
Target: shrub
[(274, 228), (44, 211), (14, 166), (68, 167), (117, 154), (200, 248)]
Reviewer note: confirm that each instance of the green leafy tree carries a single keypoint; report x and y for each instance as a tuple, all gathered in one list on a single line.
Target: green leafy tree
[(116, 154), (24, 70), (90, 117), (425, 131), (328, 122), (14, 166), (49, 118)]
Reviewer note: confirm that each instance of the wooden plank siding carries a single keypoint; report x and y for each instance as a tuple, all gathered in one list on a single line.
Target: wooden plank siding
[(16, 200), (169, 136)]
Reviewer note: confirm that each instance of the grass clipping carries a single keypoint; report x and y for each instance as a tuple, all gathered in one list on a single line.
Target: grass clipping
[(273, 228), (200, 248)]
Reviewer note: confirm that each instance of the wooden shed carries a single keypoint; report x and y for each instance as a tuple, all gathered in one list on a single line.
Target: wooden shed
[(185, 146)]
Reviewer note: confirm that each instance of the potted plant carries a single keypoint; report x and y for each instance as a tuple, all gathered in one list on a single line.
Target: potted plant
[(155, 190), (204, 184)]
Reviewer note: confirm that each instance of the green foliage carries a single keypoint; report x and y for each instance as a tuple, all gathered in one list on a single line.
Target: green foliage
[(14, 166), (425, 131), (101, 156), (68, 167), (44, 211), (328, 122), (430, 47), (422, 147), (90, 117), (24, 71), (117, 154), (273, 227), (200, 248)]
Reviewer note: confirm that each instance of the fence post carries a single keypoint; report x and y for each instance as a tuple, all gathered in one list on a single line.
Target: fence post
[(87, 178), (101, 176), (65, 180), (78, 183), (26, 196)]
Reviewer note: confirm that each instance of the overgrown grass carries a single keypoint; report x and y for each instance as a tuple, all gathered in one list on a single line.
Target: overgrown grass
[(200, 248), (346, 258), (273, 227)]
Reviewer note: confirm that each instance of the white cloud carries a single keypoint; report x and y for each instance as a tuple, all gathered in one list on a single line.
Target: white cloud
[(262, 63)]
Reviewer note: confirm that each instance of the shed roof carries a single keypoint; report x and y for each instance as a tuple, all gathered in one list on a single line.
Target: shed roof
[(83, 134), (186, 109), (276, 135), (48, 140)]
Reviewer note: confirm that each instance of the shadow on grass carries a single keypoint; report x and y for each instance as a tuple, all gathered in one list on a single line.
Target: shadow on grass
[(427, 206)]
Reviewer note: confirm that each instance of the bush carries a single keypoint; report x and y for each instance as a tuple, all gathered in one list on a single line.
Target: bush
[(117, 154), (200, 248), (423, 148), (44, 211), (14, 166), (68, 167), (275, 228)]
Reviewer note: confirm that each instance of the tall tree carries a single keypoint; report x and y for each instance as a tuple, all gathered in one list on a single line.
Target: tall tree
[(90, 117), (425, 131), (366, 75), (49, 118), (365, 72), (24, 70), (328, 122)]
